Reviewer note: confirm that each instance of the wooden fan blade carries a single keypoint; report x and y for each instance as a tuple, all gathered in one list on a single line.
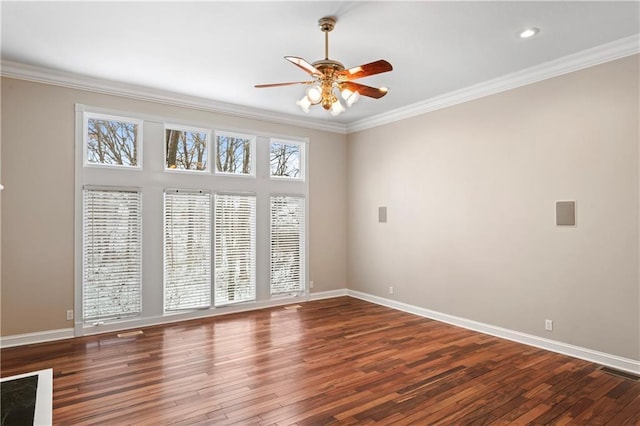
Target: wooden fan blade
[(372, 68), (303, 65), (372, 92), (262, 86)]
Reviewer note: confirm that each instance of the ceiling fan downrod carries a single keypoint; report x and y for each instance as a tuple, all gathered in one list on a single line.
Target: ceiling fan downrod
[(326, 24)]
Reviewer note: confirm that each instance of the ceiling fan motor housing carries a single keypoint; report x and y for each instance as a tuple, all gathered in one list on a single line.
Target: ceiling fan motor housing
[(328, 66)]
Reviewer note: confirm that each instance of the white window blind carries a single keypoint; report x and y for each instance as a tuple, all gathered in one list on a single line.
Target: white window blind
[(235, 248), (187, 250), (287, 244), (111, 253)]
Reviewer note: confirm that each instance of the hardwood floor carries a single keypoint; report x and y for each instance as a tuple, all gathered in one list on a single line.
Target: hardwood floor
[(336, 361)]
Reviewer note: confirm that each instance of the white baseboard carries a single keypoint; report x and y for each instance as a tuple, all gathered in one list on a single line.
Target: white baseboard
[(88, 330), (85, 330), (613, 361), (38, 337), (609, 360), (327, 294)]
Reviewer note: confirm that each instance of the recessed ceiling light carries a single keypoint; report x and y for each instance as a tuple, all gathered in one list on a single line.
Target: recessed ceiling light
[(529, 32)]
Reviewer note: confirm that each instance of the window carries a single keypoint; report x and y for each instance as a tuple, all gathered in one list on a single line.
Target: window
[(112, 141), (235, 248), (186, 149), (235, 154), (286, 159), (111, 253), (187, 249), (213, 201), (287, 244)]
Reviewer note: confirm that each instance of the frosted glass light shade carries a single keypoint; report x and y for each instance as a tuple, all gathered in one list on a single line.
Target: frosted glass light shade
[(336, 108), (350, 97), (304, 103), (314, 94)]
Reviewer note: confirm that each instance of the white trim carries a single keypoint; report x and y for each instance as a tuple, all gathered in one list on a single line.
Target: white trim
[(156, 125), (81, 329), (50, 76), (587, 58), (614, 361), (320, 295), (88, 330), (37, 337), (611, 51)]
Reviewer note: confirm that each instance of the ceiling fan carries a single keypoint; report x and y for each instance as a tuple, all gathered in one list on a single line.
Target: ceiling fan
[(328, 75)]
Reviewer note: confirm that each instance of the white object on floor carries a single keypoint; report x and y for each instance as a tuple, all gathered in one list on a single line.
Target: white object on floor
[(43, 414)]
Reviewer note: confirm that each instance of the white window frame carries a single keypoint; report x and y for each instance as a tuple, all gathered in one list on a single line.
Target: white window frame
[(183, 128), (252, 147), (303, 160), (107, 117), (152, 182)]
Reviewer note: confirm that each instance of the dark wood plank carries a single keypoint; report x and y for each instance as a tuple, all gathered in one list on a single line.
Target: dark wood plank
[(337, 361)]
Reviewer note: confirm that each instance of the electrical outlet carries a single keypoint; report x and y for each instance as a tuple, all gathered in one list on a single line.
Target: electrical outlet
[(69, 314), (390, 289), (310, 284), (548, 325)]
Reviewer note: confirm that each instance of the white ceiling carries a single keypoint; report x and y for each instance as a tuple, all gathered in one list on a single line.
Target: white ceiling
[(219, 50)]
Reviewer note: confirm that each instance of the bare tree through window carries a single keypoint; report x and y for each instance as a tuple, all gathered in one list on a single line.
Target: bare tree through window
[(111, 254), (187, 249), (186, 150), (285, 159), (233, 154), (235, 247), (287, 244), (112, 142)]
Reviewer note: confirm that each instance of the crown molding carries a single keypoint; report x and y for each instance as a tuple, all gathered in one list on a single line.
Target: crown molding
[(76, 81), (587, 58)]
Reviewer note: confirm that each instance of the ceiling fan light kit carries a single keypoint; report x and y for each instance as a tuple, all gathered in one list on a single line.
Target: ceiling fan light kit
[(330, 77)]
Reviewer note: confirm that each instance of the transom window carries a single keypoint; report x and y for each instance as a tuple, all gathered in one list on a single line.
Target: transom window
[(235, 154), (186, 149), (286, 159), (112, 141)]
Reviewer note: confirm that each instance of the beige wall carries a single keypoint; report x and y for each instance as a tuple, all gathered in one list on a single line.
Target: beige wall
[(38, 202), (470, 192)]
